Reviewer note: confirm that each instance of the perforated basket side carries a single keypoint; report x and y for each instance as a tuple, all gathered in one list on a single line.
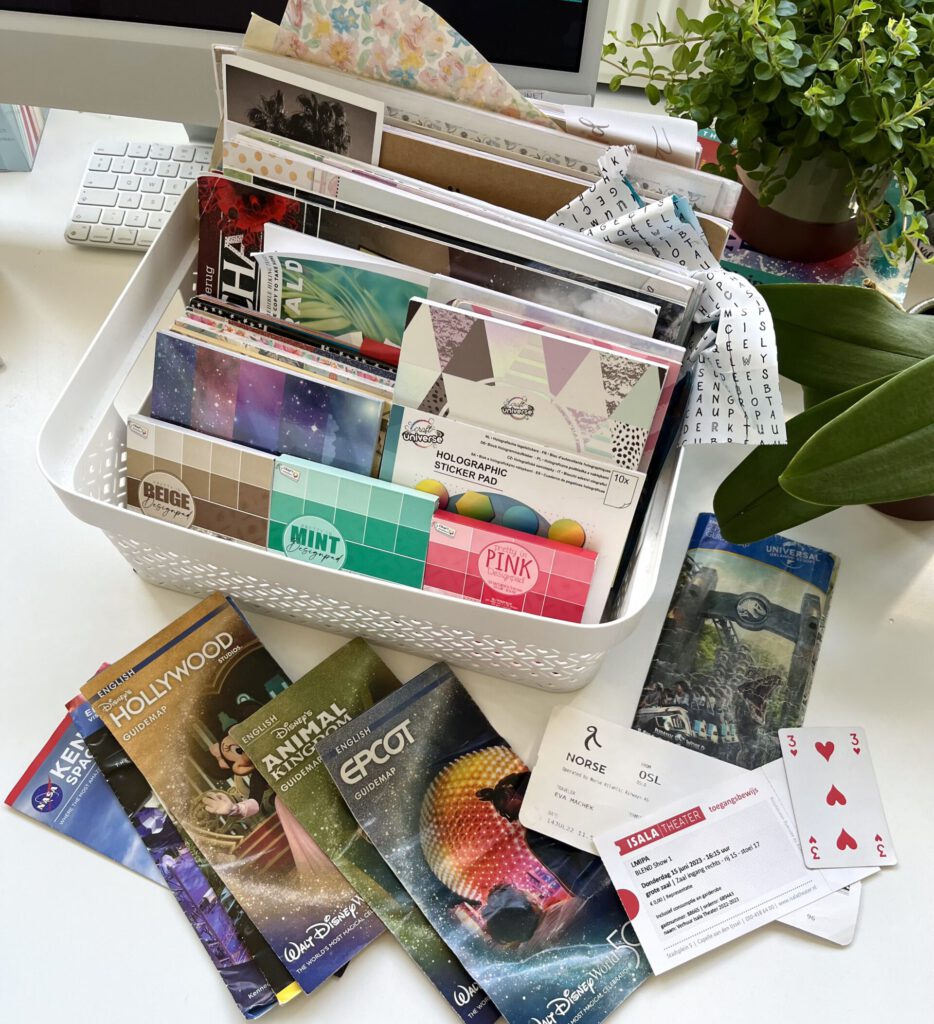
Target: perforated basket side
[(539, 666)]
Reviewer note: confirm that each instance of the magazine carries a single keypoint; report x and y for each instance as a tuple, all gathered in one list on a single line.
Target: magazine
[(170, 704), (537, 923)]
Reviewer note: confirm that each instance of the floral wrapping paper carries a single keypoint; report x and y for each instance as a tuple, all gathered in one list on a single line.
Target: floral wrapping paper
[(401, 42)]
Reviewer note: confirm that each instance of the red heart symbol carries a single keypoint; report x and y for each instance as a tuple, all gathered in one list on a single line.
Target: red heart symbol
[(856, 750), (824, 749), (794, 753), (845, 841), (834, 796)]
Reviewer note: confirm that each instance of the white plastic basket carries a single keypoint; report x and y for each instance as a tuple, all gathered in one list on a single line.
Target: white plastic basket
[(82, 451)]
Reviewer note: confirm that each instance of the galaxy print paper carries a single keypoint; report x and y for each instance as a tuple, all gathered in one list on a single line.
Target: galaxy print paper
[(282, 740), (437, 790), (170, 704), (274, 410)]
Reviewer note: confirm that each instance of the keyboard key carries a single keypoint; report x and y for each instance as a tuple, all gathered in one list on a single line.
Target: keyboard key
[(97, 197), (114, 216), (156, 220), (183, 153), (138, 150), (160, 151), (99, 163), (78, 232), (101, 234), (175, 186), (170, 203), (136, 218), (128, 183), (151, 185), (110, 148), (146, 237), (122, 165), (202, 154), (125, 236), (151, 202), (145, 168), (128, 200), (187, 171), (167, 170), (100, 179), (86, 214)]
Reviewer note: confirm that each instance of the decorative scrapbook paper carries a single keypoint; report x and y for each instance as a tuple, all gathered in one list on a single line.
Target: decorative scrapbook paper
[(737, 651), (437, 790), (233, 216), (255, 978), (190, 479), (517, 483), (402, 42), (521, 381), (735, 396), (261, 406), (170, 704), (64, 790), (337, 297), (507, 568), (298, 107), (282, 740), (342, 521)]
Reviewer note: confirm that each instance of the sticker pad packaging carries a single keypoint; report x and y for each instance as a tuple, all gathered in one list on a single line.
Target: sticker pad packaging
[(282, 740), (437, 790)]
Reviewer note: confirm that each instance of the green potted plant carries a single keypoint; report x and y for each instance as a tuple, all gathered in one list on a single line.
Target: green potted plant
[(867, 433), (818, 106)]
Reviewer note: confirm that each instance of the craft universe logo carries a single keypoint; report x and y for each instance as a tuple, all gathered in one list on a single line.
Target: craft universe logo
[(518, 408), (354, 769), (423, 434)]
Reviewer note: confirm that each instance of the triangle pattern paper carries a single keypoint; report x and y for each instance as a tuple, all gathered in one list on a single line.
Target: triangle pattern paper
[(471, 358), (586, 390), (445, 331), (403, 43), (561, 360)]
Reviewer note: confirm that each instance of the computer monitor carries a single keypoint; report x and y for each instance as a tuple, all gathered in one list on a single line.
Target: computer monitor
[(151, 58)]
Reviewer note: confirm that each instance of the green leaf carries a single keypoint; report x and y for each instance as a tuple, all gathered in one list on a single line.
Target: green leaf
[(835, 337), (653, 93), (881, 449), (750, 503)]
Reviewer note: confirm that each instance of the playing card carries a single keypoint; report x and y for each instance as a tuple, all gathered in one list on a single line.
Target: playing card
[(838, 809)]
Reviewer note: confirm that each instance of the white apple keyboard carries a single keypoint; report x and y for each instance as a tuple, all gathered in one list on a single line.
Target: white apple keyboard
[(129, 190)]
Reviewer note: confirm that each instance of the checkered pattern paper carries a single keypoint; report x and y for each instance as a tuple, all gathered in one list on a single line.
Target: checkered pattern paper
[(378, 528), (227, 485), (508, 569)]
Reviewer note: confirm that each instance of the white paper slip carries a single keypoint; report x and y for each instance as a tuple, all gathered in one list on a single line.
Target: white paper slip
[(592, 773), (832, 918), (837, 807), (711, 867)]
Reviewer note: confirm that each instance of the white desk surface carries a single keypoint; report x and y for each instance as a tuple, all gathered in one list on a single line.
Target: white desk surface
[(79, 931)]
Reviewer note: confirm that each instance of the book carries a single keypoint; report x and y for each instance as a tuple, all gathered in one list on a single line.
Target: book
[(337, 296), (170, 704), (518, 380), (253, 975), (20, 132), (339, 520), (193, 480), (537, 923), (282, 739), (514, 482), (737, 651), (274, 409), (64, 790)]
